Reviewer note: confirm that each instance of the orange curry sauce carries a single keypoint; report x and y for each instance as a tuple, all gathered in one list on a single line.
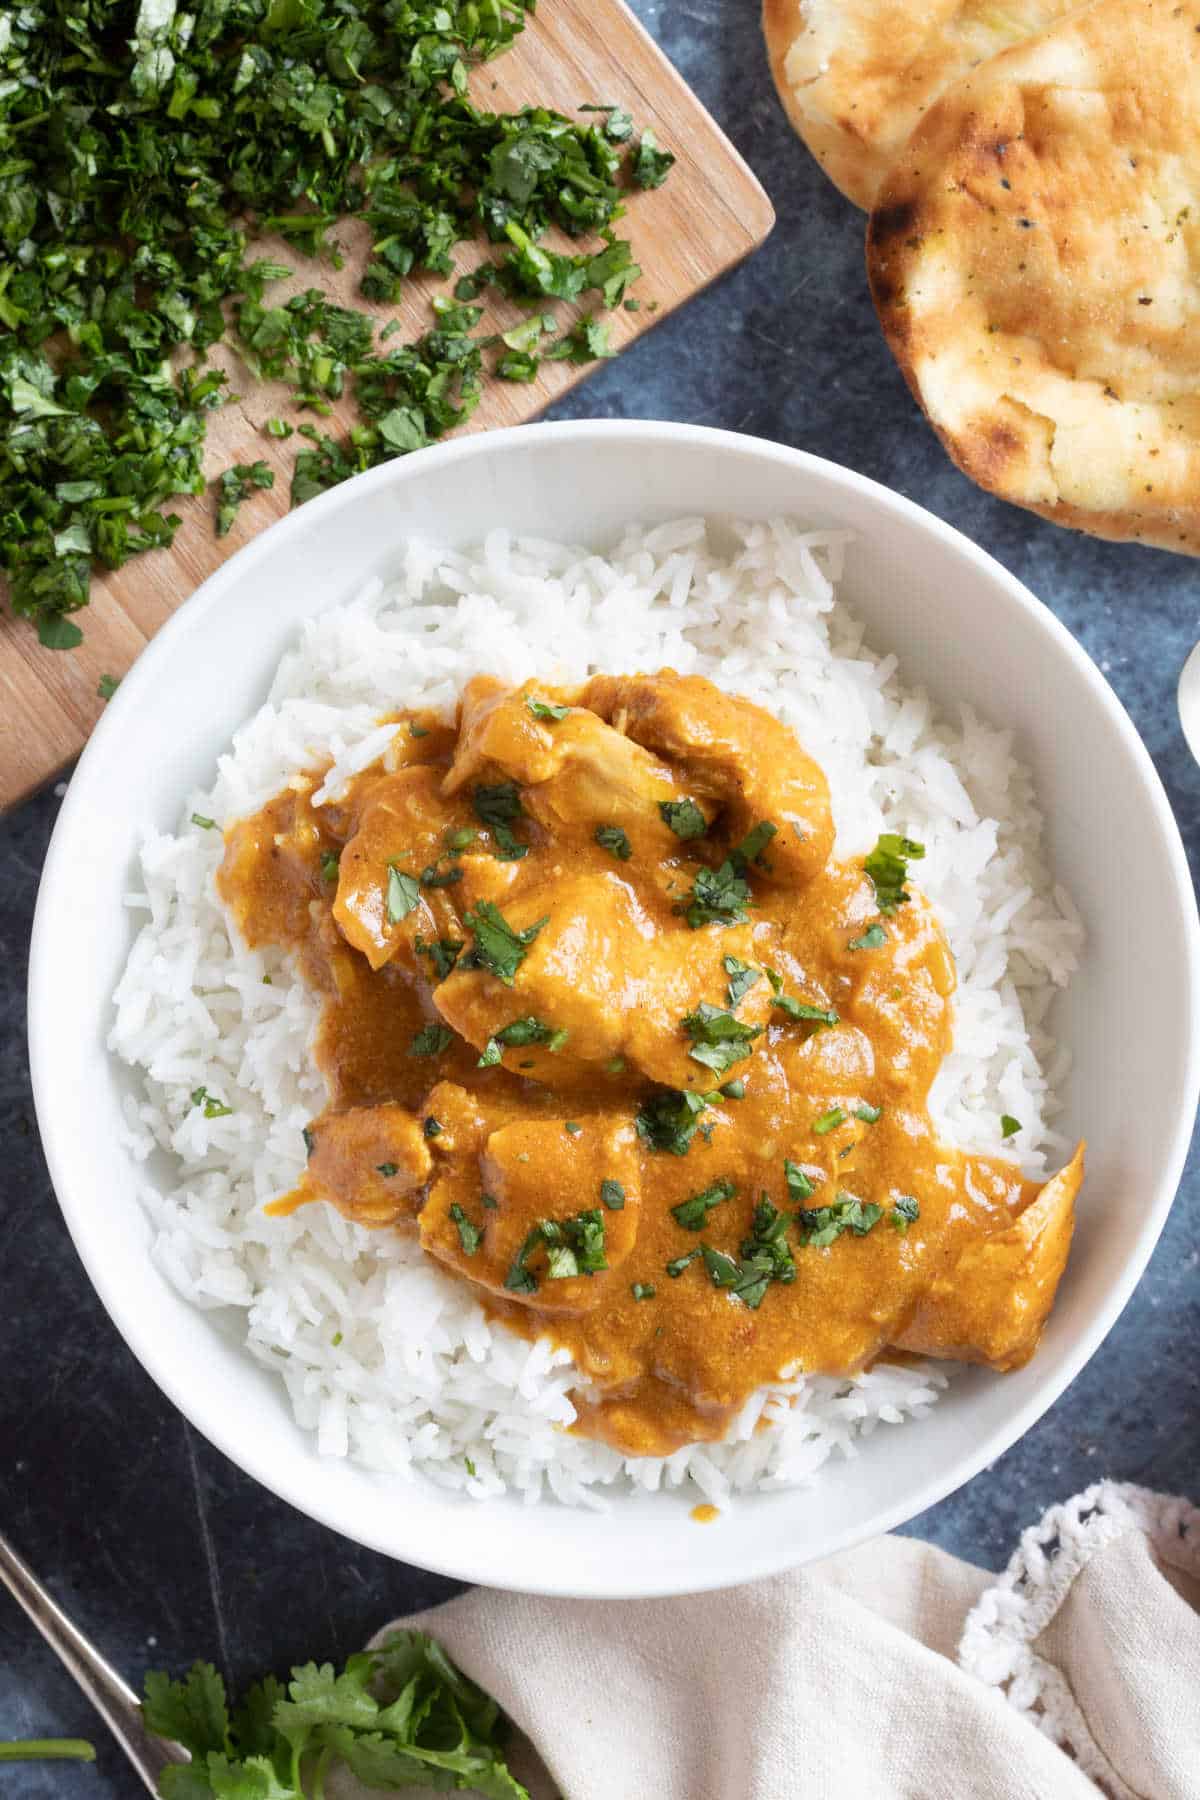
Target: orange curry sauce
[(540, 949)]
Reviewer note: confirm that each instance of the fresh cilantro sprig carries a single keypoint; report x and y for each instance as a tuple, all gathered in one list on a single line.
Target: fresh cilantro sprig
[(400, 1716)]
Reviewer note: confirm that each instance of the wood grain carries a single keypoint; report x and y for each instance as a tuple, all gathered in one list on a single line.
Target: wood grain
[(709, 215)]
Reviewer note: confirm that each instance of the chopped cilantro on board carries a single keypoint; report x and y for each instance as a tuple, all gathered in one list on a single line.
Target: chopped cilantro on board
[(143, 147)]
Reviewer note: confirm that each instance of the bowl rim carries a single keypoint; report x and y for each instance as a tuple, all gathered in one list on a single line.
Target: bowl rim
[(468, 1564)]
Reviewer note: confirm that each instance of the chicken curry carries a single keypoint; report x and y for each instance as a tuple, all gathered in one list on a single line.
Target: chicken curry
[(608, 1026)]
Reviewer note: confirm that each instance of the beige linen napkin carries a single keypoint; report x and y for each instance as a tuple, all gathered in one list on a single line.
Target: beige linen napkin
[(890, 1672)]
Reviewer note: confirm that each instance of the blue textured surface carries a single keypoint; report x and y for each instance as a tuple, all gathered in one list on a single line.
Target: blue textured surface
[(161, 1549)]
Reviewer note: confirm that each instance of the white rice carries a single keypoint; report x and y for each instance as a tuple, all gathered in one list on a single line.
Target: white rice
[(385, 1358)]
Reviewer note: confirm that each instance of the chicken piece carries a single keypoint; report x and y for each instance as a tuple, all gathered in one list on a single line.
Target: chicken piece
[(496, 728), (578, 1178), (406, 826), (678, 973), (732, 752), (572, 977), (368, 1162), (618, 982), (574, 770), (991, 1306)]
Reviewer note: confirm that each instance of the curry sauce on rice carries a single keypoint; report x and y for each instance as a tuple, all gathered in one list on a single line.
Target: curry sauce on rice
[(605, 1023), (597, 1090)]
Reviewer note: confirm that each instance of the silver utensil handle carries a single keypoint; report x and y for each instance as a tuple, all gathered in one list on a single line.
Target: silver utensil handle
[(113, 1698)]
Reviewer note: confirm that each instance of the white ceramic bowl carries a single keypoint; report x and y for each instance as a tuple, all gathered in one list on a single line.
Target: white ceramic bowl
[(962, 626)]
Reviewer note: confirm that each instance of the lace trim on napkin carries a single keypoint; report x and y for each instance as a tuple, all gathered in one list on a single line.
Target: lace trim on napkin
[(998, 1638)]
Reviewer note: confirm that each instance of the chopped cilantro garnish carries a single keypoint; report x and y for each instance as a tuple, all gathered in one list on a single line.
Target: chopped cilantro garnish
[(692, 1213), (1009, 1126), (765, 1256), (498, 948), (870, 1115), (798, 1184), (719, 1038), (498, 808), (107, 686), (887, 866), (432, 1127), (800, 1009), (403, 895), (573, 1127), (871, 939), (829, 1121), (573, 1246), (742, 977), (734, 1090), (614, 840), (676, 1267), (643, 1290), (204, 824), (668, 1121), (613, 1195), (387, 1170), (684, 818), (905, 1212), (431, 1040), (824, 1224), (469, 1236), (310, 1140), (543, 709), (518, 1034), (718, 897), (443, 953), (330, 863), (752, 846), (210, 1106)]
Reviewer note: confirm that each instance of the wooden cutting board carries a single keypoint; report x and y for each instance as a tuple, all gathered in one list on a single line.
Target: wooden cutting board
[(710, 214)]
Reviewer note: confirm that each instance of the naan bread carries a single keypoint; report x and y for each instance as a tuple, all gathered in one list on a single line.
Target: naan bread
[(856, 75), (1035, 261)]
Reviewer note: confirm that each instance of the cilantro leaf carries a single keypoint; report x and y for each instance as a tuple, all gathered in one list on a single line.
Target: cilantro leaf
[(192, 1711), (742, 977), (692, 1213), (498, 808), (668, 1121), (614, 840), (651, 165), (823, 1225), (403, 895), (544, 710), (872, 938), (498, 948), (684, 818), (719, 1038), (887, 867), (718, 897)]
